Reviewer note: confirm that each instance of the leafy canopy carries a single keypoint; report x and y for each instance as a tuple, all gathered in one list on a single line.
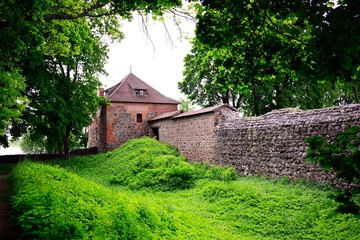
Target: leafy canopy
[(264, 55), (52, 53)]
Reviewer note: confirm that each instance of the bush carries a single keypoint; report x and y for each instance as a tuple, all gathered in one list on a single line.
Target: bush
[(343, 157), (147, 163), (222, 173), (50, 202)]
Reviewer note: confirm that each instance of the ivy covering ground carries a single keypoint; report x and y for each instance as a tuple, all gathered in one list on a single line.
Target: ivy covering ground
[(146, 190)]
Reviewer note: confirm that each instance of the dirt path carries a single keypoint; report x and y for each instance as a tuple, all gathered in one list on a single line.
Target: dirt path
[(7, 229)]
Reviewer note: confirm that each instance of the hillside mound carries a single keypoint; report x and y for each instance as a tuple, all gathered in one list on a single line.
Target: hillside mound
[(146, 163)]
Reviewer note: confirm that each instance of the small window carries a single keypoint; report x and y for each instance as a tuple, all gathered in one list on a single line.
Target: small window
[(139, 92), (139, 117)]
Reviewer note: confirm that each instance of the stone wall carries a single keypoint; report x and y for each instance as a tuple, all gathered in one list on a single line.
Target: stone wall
[(273, 144), (120, 126), (96, 131), (193, 135)]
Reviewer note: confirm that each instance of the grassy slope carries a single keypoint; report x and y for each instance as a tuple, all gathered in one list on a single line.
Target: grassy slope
[(206, 208)]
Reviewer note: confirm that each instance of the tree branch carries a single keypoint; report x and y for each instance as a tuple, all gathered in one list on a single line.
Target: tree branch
[(85, 13), (62, 16), (277, 28), (181, 13), (265, 13), (62, 68), (168, 36), (145, 29), (3, 23), (76, 71)]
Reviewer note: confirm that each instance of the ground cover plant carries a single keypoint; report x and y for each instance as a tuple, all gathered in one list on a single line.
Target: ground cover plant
[(146, 190)]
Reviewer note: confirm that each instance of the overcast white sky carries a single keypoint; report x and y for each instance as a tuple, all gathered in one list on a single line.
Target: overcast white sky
[(160, 66)]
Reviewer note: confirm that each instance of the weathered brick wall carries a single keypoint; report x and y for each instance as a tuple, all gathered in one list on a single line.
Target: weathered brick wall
[(273, 144), (193, 136), (96, 131), (117, 123), (120, 126)]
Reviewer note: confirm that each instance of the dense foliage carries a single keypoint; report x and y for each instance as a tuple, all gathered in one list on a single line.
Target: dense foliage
[(51, 203), (76, 199), (12, 103), (342, 155), (61, 85), (51, 54), (147, 164), (263, 55)]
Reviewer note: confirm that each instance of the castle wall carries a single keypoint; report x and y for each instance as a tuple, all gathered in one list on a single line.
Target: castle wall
[(96, 131), (194, 135), (273, 144)]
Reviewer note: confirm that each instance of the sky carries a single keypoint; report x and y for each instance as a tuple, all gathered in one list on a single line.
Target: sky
[(159, 64)]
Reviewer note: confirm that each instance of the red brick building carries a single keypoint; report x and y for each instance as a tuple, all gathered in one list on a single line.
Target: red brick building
[(133, 102)]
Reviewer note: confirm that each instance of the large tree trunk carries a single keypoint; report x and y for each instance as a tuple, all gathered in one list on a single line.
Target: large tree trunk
[(355, 93), (66, 143)]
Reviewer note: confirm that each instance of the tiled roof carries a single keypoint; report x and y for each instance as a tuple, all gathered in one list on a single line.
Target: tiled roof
[(124, 91), (202, 111), (165, 115)]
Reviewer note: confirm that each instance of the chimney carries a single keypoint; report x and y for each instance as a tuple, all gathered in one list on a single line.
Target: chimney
[(101, 91)]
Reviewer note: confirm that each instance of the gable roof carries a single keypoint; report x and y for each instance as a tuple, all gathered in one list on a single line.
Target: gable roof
[(165, 115), (124, 91), (204, 110), (179, 114)]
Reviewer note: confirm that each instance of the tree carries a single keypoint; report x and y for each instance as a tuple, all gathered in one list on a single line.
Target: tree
[(62, 87), (185, 105), (335, 45), (265, 52), (204, 82), (42, 145), (58, 49), (12, 86)]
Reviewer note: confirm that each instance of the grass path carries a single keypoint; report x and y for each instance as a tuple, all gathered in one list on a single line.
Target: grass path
[(7, 228)]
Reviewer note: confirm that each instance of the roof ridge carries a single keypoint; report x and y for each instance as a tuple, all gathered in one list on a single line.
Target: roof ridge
[(113, 89), (136, 83), (204, 110)]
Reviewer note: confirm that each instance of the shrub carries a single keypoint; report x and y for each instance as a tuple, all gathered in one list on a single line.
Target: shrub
[(147, 163), (50, 202), (222, 173), (343, 157)]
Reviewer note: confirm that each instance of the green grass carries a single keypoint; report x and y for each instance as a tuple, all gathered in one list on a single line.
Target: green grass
[(146, 190)]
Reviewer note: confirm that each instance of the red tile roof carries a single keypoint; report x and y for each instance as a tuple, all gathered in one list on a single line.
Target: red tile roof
[(124, 91), (204, 110), (178, 114), (165, 115)]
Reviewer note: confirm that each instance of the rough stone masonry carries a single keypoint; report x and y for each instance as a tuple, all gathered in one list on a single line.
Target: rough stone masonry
[(273, 144)]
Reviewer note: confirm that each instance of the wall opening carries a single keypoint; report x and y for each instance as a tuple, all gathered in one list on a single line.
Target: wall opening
[(155, 132), (139, 117), (140, 92)]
